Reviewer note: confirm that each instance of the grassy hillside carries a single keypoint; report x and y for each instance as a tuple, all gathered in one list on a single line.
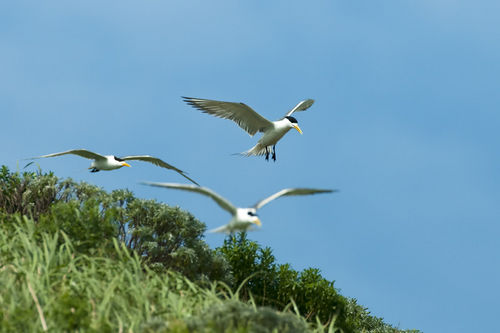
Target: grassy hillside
[(74, 257)]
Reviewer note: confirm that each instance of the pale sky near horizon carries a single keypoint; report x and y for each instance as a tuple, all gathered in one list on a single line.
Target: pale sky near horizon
[(405, 125)]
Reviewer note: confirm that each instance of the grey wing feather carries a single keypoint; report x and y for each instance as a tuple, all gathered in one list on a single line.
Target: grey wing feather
[(80, 152), (290, 191), (222, 202), (222, 229), (158, 162), (240, 113), (301, 106)]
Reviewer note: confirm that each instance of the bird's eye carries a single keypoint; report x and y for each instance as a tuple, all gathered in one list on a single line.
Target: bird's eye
[(251, 214)]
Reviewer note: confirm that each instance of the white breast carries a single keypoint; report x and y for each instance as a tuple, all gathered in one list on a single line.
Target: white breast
[(272, 136), (108, 164)]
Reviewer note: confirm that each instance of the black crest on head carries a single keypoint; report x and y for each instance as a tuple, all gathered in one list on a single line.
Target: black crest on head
[(118, 159), (292, 119)]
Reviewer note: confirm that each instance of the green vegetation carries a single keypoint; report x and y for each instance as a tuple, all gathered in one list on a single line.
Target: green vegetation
[(275, 285), (74, 257)]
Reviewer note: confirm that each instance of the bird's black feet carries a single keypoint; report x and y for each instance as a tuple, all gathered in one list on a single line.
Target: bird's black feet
[(267, 154), (94, 170), (274, 153)]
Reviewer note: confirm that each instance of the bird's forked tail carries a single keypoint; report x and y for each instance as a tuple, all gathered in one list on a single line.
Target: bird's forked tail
[(257, 150)]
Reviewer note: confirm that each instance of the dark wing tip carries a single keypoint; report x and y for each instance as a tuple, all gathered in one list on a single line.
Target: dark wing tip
[(192, 102), (27, 165), (326, 191), (190, 179)]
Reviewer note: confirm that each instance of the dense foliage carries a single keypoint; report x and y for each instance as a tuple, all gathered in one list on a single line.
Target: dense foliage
[(165, 237), (268, 283), (49, 286), (81, 258)]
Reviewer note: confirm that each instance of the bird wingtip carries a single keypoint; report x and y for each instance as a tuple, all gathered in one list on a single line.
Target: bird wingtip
[(187, 99), (192, 181), (27, 165), (328, 191)]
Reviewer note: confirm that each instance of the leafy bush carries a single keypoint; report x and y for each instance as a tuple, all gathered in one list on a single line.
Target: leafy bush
[(258, 277), (169, 238), (74, 257), (27, 194), (48, 286), (163, 236), (233, 315)]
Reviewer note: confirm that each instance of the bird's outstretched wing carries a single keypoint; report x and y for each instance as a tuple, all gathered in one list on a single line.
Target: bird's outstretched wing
[(80, 152), (222, 202), (302, 106), (228, 230), (222, 229), (240, 113), (290, 191), (158, 162)]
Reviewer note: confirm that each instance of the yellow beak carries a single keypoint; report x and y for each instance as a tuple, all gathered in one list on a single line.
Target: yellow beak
[(297, 128), (126, 164), (257, 221)]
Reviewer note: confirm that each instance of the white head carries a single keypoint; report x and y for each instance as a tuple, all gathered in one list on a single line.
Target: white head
[(121, 162), (110, 163), (293, 123), (247, 216)]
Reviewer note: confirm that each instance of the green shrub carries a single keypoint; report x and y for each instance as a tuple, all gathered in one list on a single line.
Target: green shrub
[(169, 238), (258, 277), (234, 316), (166, 238), (28, 193), (74, 257), (48, 285)]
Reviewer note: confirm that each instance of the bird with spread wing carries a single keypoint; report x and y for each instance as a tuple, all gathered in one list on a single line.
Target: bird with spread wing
[(252, 122), (111, 162), (243, 219)]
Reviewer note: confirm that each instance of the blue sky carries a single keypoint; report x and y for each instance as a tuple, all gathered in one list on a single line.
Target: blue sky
[(405, 124)]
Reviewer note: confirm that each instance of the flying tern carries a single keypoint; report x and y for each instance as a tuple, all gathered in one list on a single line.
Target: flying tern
[(243, 219), (111, 162), (252, 122)]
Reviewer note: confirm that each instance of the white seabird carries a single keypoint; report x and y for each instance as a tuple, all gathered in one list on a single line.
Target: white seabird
[(252, 122), (243, 219), (111, 162)]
